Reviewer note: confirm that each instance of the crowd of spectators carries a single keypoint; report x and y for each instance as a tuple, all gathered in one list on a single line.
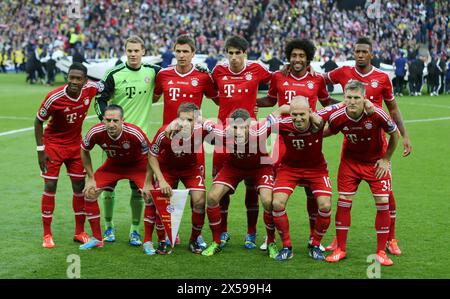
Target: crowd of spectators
[(96, 29)]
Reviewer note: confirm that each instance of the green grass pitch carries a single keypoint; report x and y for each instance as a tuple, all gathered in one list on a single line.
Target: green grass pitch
[(420, 182)]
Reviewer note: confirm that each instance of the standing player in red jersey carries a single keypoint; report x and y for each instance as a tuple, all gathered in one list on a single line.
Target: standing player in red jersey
[(378, 89), (298, 82), (247, 160), (183, 83), (364, 157), (237, 83), (127, 147), (65, 109), (181, 159)]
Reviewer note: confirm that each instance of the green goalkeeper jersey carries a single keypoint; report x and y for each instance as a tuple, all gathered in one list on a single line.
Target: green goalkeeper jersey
[(133, 90)]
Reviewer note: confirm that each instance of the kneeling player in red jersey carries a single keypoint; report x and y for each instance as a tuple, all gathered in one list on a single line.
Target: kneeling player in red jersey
[(246, 160), (180, 159), (364, 157), (127, 149)]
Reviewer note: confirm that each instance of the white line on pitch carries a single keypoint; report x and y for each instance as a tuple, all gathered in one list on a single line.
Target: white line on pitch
[(425, 105), (427, 119), (16, 118)]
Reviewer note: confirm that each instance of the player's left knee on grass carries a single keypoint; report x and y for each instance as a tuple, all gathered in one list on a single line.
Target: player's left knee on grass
[(198, 200), (324, 203), (77, 185), (265, 195)]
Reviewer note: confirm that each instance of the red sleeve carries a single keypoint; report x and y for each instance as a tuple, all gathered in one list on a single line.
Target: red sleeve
[(333, 125), (158, 85), (210, 90), (273, 88), (45, 110), (388, 125), (90, 140), (335, 75), (264, 74), (157, 142), (388, 91), (326, 112)]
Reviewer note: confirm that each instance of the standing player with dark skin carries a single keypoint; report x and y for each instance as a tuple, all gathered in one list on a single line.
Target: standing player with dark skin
[(378, 89), (297, 81), (237, 83), (65, 109)]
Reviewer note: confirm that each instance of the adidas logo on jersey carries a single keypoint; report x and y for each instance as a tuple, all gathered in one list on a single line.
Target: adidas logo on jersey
[(225, 78), (104, 145), (345, 128), (67, 109), (170, 82), (124, 81), (291, 134), (285, 83)]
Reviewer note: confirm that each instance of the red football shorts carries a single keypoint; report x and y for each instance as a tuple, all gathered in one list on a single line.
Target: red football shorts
[(288, 178), (107, 176), (70, 156), (192, 178), (352, 172), (231, 176)]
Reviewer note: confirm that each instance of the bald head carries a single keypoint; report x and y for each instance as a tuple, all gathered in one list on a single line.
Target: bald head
[(299, 102), (300, 112)]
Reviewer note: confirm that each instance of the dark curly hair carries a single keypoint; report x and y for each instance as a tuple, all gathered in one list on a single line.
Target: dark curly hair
[(303, 44)]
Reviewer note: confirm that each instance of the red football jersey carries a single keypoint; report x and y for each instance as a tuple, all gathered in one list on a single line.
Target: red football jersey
[(303, 148), (377, 83), (130, 147), (65, 115), (238, 90), (250, 155), (364, 137), (179, 88), (180, 153), (284, 88)]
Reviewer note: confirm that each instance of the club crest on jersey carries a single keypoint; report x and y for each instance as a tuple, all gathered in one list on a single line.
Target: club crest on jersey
[(126, 145), (147, 80), (194, 82), (86, 101), (248, 76), (43, 112), (310, 84), (86, 142), (170, 209), (368, 125), (374, 83)]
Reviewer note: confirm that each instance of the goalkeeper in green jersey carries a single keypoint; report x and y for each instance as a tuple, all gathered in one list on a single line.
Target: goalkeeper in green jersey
[(131, 86)]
